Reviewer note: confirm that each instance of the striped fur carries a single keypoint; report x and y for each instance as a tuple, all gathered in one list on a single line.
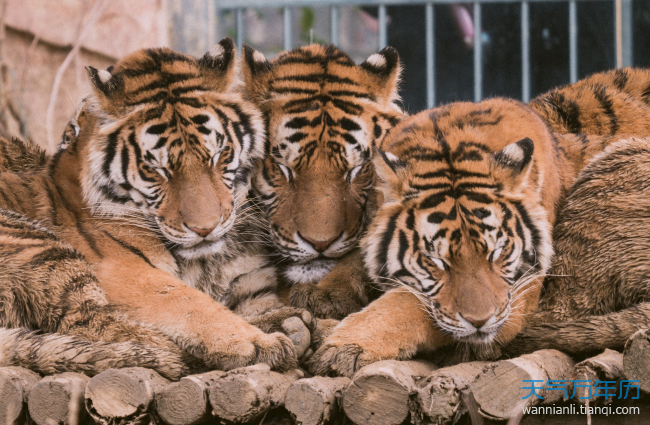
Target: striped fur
[(324, 115), (597, 293), (472, 192), (16, 156), (150, 187)]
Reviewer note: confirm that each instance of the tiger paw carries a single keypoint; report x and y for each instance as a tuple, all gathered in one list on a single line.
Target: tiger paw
[(275, 350), (343, 359), (273, 320), (296, 323), (324, 303)]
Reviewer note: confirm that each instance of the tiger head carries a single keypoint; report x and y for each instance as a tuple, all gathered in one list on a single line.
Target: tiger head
[(174, 143), (470, 192), (324, 115)]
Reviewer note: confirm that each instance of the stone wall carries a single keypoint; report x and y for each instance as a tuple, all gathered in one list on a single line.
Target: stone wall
[(41, 33)]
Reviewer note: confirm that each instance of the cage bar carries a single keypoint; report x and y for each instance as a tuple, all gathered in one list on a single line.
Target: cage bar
[(430, 56), (383, 37), (334, 25), (478, 53), (288, 31), (573, 41), (525, 51)]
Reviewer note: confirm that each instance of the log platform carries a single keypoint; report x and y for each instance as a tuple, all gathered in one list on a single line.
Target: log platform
[(387, 392)]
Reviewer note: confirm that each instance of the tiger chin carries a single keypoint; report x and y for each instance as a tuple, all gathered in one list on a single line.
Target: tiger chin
[(463, 239), (146, 202), (325, 114)]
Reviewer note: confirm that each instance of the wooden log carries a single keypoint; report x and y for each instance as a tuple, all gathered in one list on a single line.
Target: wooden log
[(59, 399), (186, 402), (248, 393), (123, 396), (438, 398), (606, 366), (499, 388), (636, 361), (15, 385), (315, 401), (379, 393)]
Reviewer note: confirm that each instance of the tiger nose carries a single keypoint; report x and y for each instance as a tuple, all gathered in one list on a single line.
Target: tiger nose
[(320, 246), (478, 322), (201, 232)]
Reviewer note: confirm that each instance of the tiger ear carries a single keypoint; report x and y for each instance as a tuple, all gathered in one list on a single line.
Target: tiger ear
[(255, 68), (218, 65), (385, 70), (104, 82), (515, 159), (391, 173)]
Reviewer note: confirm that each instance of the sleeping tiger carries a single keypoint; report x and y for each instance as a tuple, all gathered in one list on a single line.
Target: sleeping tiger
[(597, 294), (472, 192), (150, 188), (324, 115)]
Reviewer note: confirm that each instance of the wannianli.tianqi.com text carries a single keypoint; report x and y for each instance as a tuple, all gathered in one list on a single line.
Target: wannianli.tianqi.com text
[(581, 410)]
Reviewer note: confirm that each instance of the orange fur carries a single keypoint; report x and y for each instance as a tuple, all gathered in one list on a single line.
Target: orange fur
[(472, 192)]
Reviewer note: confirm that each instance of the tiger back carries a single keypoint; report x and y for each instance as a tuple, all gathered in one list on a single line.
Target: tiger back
[(324, 116), (464, 237)]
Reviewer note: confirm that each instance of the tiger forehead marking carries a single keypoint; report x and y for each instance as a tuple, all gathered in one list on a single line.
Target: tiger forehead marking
[(324, 116), (175, 142), (463, 223)]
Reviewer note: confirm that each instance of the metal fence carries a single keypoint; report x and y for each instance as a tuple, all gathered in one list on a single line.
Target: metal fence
[(622, 36)]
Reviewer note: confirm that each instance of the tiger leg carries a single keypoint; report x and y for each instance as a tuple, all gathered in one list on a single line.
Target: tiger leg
[(584, 336), (46, 285), (342, 291), (395, 326), (56, 353), (198, 324)]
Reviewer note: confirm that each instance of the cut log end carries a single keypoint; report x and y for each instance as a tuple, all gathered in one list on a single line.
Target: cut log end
[(636, 361), (59, 399), (379, 393), (438, 397), (315, 401), (122, 393), (499, 389), (245, 394), (15, 385), (607, 366), (186, 402)]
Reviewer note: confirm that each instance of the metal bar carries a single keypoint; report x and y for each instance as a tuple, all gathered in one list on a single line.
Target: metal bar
[(383, 38), (430, 55), (623, 34), (288, 32), (573, 41), (478, 65), (233, 4), (618, 32), (334, 25), (525, 52), (239, 17)]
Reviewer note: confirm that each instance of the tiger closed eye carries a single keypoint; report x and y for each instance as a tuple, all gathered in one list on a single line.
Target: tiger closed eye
[(442, 264), (286, 171), (351, 174), (494, 255), (214, 160)]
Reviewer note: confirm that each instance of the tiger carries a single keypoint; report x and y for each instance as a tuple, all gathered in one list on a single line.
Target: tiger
[(150, 188), (472, 192), (324, 114), (596, 294)]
